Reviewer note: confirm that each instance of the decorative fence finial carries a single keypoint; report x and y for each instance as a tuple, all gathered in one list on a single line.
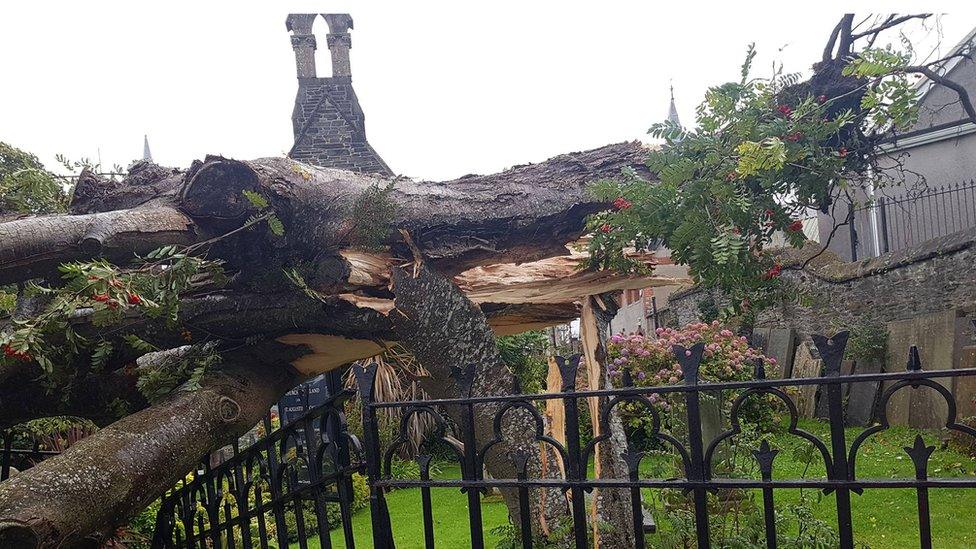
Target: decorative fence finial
[(567, 370), (689, 360), (831, 351)]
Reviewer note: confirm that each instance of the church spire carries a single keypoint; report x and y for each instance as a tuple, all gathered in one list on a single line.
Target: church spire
[(146, 155), (673, 111)]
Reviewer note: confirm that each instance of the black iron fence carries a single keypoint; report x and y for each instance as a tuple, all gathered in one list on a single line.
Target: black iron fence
[(295, 483), (911, 219), (16, 457), (230, 506)]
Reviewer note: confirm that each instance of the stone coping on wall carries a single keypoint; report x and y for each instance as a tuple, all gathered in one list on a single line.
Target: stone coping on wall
[(828, 267)]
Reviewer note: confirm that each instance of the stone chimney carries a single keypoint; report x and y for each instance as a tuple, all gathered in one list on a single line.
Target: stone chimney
[(339, 41), (329, 124), (303, 42)]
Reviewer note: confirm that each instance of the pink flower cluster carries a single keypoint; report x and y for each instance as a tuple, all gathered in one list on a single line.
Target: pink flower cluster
[(650, 360)]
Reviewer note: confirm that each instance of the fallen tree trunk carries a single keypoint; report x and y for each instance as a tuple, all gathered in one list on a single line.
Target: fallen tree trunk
[(343, 311), (525, 213), (445, 331), (104, 479)]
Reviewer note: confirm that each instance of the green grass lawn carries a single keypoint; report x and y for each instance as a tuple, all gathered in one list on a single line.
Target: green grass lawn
[(450, 509), (882, 518)]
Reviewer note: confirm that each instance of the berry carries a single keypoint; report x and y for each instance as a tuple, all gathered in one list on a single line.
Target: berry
[(796, 226), (112, 304), (134, 299), (605, 228), (769, 212), (102, 298), (773, 272), (842, 152), (622, 203), (821, 98), (785, 110)]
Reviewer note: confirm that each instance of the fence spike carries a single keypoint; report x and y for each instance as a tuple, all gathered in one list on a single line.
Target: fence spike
[(831, 350), (568, 369), (365, 379), (464, 378), (914, 360), (689, 360)]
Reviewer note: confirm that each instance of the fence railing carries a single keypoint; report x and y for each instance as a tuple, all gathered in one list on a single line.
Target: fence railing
[(911, 219), (266, 464), (262, 495), (18, 457)]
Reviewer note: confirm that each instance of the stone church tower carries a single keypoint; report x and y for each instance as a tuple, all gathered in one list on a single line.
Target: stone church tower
[(330, 128)]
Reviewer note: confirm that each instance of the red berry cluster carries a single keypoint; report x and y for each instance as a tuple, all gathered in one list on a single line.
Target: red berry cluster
[(842, 152), (785, 110), (796, 226), (773, 272), (10, 352), (605, 228), (621, 203), (821, 99), (132, 298)]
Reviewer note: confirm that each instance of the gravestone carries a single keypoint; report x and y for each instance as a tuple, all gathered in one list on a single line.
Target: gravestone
[(964, 388), (781, 346), (862, 396), (934, 335), (294, 404), (805, 365), (760, 338)]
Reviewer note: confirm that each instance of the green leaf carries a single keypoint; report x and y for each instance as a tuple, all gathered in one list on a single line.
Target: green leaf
[(139, 344), (100, 354), (276, 226), (255, 199), (755, 157)]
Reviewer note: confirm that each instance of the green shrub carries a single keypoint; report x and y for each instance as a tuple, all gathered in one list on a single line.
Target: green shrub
[(360, 493)]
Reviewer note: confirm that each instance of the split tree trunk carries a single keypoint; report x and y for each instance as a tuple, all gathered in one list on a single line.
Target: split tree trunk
[(444, 330)]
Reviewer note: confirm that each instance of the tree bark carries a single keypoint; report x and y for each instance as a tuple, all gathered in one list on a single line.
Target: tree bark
[(75, 498), (612, 506), (525, 213), (444, 331)]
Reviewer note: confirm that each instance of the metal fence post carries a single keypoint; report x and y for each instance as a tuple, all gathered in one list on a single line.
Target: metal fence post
[(7, 455), (464, 379), (574, 469), (883, 210), (832, 353), (689, 360), (380, 515)]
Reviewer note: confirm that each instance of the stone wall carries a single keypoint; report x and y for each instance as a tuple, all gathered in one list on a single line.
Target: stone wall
[(923, 296), (938, 275)]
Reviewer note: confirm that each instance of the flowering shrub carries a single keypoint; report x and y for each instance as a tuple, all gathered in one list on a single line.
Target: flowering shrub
[(650, 362)]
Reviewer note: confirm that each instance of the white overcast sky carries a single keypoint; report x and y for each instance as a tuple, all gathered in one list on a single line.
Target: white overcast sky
[(448, 88)]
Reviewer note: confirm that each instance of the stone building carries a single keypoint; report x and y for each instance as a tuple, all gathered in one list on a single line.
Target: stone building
[(329, 124), (931, 166)]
